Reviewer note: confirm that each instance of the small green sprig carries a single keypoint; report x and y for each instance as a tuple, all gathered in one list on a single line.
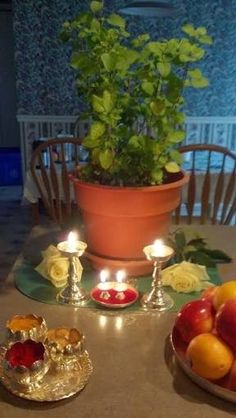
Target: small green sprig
[(195, 250)]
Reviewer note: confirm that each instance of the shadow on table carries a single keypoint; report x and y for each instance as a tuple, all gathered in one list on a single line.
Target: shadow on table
[(188, 390)]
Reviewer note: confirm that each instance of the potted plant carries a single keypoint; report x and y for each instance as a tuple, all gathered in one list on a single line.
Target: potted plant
[(132, 90)]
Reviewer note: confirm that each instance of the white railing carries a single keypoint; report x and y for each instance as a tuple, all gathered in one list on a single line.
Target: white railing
[(217, 130)]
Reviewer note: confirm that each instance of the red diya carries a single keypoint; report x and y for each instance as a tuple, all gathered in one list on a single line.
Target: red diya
[(114, 295)]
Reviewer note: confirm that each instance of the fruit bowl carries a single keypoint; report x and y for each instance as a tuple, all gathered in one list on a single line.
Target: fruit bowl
[(216, 388)]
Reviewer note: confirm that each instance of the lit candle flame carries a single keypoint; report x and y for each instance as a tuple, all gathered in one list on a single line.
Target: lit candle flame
[(71, 241), (120, 276), (104, 275)]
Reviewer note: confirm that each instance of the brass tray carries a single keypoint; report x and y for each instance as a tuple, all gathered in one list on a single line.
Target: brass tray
[(214, 388), (55, 385)]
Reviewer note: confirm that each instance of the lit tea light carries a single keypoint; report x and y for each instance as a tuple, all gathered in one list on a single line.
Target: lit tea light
[(119, 285), (158, 250), (72, 245), (104, 284), (71, 241)]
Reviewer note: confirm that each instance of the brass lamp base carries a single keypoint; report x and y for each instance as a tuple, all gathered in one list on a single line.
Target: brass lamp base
[(158, 300), (76, 298)]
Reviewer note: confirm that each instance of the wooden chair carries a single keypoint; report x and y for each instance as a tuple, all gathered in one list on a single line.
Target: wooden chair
[(52, 177), (212, 168)]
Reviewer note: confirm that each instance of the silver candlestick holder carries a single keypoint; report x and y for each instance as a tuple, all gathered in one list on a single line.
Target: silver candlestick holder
[(157, 298), (73, 293)]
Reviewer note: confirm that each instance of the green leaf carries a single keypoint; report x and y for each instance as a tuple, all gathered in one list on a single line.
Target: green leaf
[(108, 61), (189, 29), (97, 103), (96, 6), (106, 159), (199, 257), (218, 255), (108, 101), (155, 47), (148, 87), (176, 136), (95, 25), (176, 156), (164, 68), (137, 141), (89, 142), (97, 129), (172, 167), (157, 175), (158, 107), (116, 20), (206, 39), (199, 82), (197, 242), (140, 40)]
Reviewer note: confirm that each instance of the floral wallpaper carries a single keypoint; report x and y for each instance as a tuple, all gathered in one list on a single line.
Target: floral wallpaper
[(45, 83)]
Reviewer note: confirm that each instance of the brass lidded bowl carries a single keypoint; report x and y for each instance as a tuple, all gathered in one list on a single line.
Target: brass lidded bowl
[(25, 327), (65, 346), (26, 363)]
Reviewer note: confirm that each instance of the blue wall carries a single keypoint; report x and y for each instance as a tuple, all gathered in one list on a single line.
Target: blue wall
[(45, 82)]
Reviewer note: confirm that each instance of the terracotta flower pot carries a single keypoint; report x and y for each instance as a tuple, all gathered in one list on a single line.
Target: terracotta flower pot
[(120, 221)]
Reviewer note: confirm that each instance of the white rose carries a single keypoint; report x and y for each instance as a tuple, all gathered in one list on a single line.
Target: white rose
[(55, 269), (185, 283), (58, 268)]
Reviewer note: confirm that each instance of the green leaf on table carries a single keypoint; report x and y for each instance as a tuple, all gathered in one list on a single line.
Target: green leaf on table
[(200, 257), (218, 255), (197, 242)]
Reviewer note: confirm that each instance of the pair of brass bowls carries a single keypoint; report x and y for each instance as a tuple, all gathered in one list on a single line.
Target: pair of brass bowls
[(59, 348)]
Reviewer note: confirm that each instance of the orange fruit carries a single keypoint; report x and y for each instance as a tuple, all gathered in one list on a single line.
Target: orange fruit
[(210, 357), (223, 293)]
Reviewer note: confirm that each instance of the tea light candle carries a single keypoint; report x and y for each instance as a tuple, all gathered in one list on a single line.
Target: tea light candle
[(72, 245), (158, 250), (104, 285), (120, 287)]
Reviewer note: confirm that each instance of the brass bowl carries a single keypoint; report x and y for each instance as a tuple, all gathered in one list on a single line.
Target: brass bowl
[(25, 327), (65, 346), (27, 376)]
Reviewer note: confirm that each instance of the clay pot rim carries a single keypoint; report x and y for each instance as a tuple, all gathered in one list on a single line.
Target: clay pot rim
[(166, 186)]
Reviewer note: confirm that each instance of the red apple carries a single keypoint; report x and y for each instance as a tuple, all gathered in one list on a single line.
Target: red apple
[(225, 323), (194, 318), (208, 293)]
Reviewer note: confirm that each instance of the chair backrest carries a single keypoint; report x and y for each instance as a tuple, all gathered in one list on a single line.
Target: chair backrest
[(50, 165), (210, 195)]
